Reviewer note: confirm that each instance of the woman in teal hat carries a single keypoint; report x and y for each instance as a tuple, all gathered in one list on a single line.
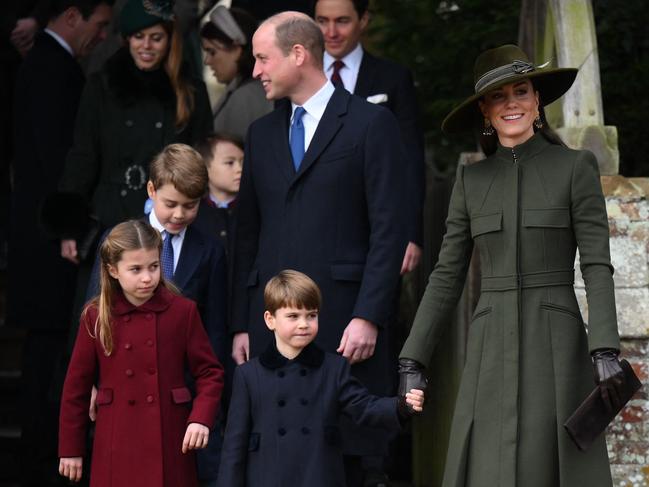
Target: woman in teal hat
[(143, 99), (527, 208)]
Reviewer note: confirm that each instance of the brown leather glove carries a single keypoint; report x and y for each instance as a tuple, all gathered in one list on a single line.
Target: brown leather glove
[(609, 377), (411, 376)]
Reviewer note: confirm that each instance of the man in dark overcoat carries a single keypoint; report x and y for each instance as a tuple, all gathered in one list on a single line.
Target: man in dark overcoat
[(322, 192), (41, 283)]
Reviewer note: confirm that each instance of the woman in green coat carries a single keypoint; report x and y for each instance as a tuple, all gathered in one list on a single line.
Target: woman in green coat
[(142, 100), (527, 208)]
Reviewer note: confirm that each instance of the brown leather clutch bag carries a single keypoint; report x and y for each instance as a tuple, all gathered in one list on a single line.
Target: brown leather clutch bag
[(591, 418)]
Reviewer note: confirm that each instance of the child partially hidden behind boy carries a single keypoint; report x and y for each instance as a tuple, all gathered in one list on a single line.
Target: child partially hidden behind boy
[(282, 424)]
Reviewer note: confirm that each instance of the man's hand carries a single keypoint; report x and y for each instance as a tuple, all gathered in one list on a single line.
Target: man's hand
[(92, 410), (69, 250), (22, 37), (411, 258), (240, 348), (71, 467), (196, 437), (358, 340)]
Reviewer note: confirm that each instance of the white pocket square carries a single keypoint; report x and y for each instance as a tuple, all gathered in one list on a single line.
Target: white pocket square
[(380, 98)]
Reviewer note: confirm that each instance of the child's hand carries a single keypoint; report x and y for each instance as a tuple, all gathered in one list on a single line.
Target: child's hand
[(196, 437), (415, 398), (71, 467)]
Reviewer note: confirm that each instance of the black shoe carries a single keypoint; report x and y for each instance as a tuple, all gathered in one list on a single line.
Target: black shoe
[(376, 478)]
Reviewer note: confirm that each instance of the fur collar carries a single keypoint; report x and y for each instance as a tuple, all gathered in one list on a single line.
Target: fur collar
[(128, 83), (311, 356)]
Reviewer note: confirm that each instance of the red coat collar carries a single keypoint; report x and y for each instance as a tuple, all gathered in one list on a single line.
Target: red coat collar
[(160, 301)]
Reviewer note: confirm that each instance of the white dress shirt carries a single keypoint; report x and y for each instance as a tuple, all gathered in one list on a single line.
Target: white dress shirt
[(348, 73), (314, 107), (61, 41), (177, 239)]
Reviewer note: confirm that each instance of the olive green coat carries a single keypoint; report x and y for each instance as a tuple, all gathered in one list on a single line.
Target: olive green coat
[(527, 210)]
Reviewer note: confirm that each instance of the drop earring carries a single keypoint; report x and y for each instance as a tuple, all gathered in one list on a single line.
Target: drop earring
[(488, 128), (538, 123)]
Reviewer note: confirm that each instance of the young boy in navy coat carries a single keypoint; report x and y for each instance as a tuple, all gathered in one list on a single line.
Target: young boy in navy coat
[(282, 425)]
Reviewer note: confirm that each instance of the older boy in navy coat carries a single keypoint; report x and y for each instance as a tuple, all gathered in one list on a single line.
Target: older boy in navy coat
[(283, 422)]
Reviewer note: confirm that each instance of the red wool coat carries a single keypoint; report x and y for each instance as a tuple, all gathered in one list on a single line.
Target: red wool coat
[(143, 403)]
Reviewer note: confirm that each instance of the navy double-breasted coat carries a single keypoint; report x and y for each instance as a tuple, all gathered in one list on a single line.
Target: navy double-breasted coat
[(283, 422)]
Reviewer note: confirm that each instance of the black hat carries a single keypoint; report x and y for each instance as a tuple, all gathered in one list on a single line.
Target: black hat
[(500, 66)]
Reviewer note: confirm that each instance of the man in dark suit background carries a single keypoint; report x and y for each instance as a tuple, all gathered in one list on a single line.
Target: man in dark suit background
[(322, 192), (382, 82), (41, 283)]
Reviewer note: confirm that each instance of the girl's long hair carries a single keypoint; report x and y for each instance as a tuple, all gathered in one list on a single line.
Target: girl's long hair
[(130, 235), (182, 87)]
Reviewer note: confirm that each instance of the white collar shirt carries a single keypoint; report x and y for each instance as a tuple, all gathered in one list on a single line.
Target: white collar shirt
[(315, 108), (349, 73), (177, 239)]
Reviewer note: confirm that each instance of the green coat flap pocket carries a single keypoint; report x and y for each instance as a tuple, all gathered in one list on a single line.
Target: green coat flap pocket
[(546, 217), (181, 395), (347, 272), (104, 396), (492, 222)]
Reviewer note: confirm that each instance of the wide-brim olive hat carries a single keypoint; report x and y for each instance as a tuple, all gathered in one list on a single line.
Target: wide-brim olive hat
[(140, 14), (500, 66)]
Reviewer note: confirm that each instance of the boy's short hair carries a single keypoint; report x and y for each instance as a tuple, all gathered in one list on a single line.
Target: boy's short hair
[(181, 166), (206, 146), (291, 288)]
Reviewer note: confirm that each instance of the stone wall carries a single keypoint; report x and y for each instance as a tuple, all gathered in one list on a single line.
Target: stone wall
[(628, 213)]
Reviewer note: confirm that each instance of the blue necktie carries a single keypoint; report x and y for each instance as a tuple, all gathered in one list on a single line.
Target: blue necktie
[(297, 137), (167, 256)]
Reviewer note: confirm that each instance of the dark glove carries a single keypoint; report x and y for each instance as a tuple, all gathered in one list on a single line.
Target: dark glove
[(411, 376), (609, 376)]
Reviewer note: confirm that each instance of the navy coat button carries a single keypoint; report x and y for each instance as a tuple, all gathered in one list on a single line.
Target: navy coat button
[(281, 432), (304, 402), (280, 373), (129, 373), (305, 430), (149, 398), (302, 372), (131, 402), (281, 403)]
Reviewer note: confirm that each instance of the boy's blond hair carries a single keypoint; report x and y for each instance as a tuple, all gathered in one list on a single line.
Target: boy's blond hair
[(181, 166), (292, 289)]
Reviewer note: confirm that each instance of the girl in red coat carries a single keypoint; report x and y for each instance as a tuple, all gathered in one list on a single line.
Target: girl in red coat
[(135, 341)]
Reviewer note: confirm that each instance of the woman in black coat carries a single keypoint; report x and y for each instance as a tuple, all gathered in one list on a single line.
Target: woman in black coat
[(141, 101)]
